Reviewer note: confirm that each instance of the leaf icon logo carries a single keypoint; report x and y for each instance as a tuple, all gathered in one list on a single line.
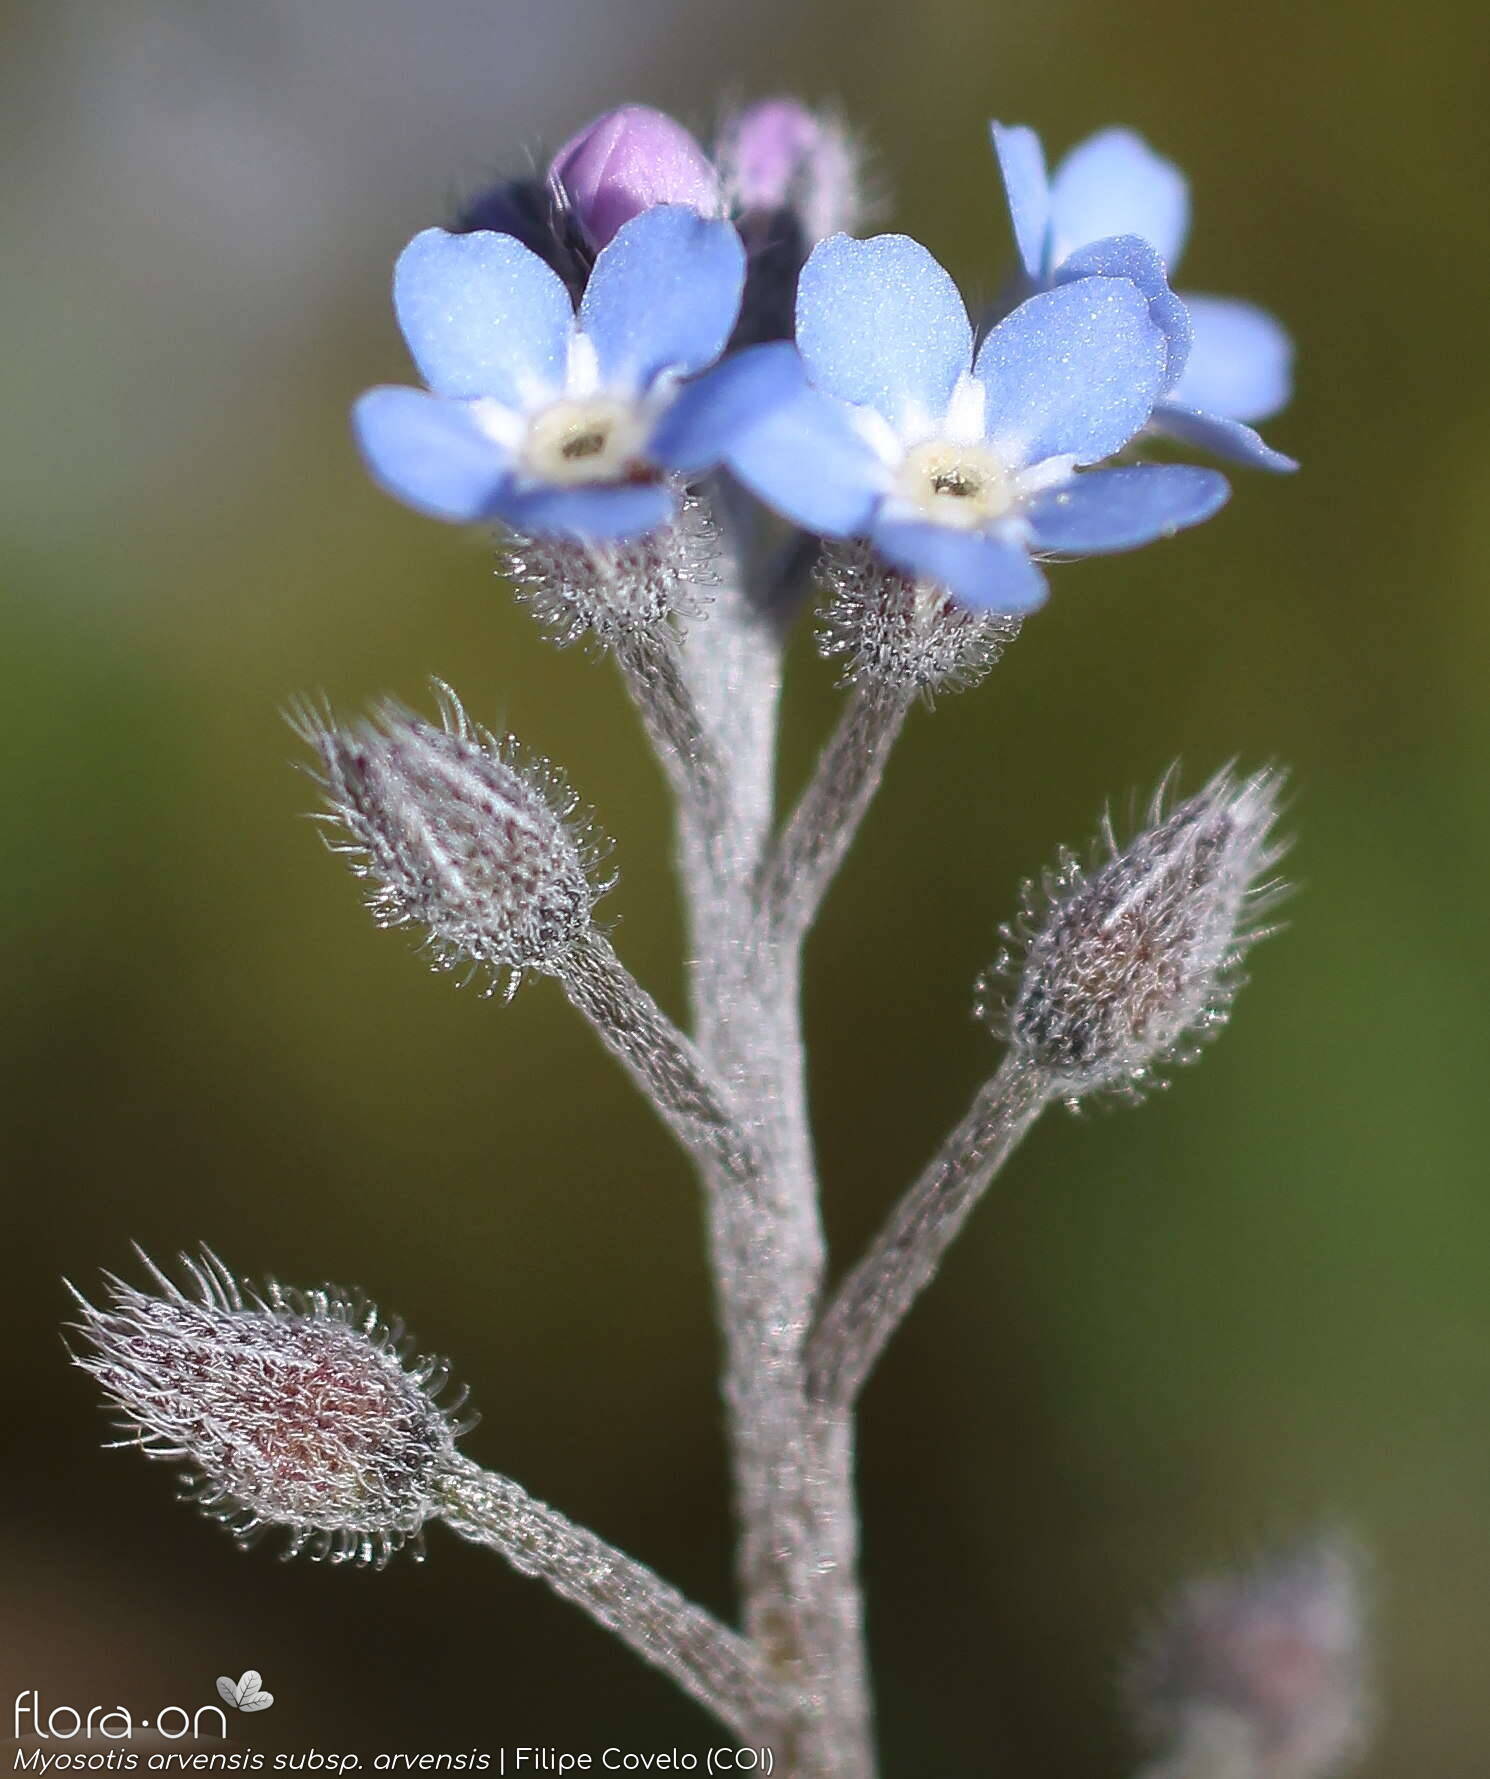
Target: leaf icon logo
[(246, 1692)]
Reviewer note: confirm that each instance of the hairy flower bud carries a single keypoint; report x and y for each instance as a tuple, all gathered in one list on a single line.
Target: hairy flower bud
[(1128, 963), (459, 834), (627, 161), (890, 631), (778, 155), (1261, 1674), (290, 1409), (790, 178)]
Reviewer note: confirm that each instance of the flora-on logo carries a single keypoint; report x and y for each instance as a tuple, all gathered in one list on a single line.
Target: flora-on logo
[(246, 1693)]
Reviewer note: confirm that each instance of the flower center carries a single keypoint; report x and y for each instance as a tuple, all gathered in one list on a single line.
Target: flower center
[(951, 484), (572, 443)]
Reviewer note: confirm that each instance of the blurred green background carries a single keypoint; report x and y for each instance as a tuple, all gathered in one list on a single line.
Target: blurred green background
[(1255, 1306)]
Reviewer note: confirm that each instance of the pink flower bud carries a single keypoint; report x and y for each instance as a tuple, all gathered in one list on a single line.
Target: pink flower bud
[(627, 161), (766, 149), (778, 155)]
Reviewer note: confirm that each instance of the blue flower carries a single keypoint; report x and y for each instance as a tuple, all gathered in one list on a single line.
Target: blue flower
[(881, 423), (1237, 365), (534, 414)]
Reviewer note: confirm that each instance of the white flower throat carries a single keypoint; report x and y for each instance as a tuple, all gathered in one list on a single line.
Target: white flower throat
[(576, 443), (963, 485)]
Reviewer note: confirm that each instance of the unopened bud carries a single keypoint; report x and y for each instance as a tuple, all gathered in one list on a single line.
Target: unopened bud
[(790, 179), (458, 833), (1259, 1675), (289, 1409), (627, 161), (1130, 962), (778, 155), (890, 631)]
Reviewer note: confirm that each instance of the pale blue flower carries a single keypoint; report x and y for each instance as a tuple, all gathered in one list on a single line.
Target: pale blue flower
[(1237, 366), (882, 423), (538, 416)]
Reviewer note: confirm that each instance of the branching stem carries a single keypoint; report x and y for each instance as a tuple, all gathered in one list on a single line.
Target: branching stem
[(672, 1074)]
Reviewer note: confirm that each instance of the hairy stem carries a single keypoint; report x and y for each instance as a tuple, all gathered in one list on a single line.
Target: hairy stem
[(822, 827), (710, 1662), (651, 665), (674, 1077), (874, 1299), (792, 1473)]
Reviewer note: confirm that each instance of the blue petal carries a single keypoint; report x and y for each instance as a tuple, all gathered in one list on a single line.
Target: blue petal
[(430, 453), (1021, 161), (1126, 256), (1118, 509), (588, 515), (880, 324), (1230, 440), (1073, 371), (807, 459), (980, 570), (483, 316), (1114, 184), (1241, 363), (664, 293), (714, 410)]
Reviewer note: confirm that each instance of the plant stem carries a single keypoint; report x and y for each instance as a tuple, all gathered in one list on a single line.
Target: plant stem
[(672, 1074), (873, 1300), (792, 1469), (710, 1662), (828, 815)]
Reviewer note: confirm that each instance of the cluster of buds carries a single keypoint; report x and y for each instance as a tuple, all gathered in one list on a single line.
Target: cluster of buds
[(1258, 1675), (1130, 962), (462, 835), (788, 176), (301, 1411)]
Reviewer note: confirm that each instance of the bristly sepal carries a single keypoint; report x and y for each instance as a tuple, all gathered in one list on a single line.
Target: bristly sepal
[(297, 1411), (460, 833), (890, 631), (1127, 964), (609, 592)]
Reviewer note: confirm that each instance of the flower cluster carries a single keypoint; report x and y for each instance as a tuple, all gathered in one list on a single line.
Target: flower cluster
[(596, 343), (678, 377)]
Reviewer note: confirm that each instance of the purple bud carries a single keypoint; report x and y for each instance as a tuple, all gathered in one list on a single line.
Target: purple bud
[(1260, 1673), (766, 149), (627, 161), (1130, 962), (778, 155), (290, 1409), (460, 834)]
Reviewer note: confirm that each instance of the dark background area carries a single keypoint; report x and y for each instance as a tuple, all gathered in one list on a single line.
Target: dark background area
[(1255, 1306)]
